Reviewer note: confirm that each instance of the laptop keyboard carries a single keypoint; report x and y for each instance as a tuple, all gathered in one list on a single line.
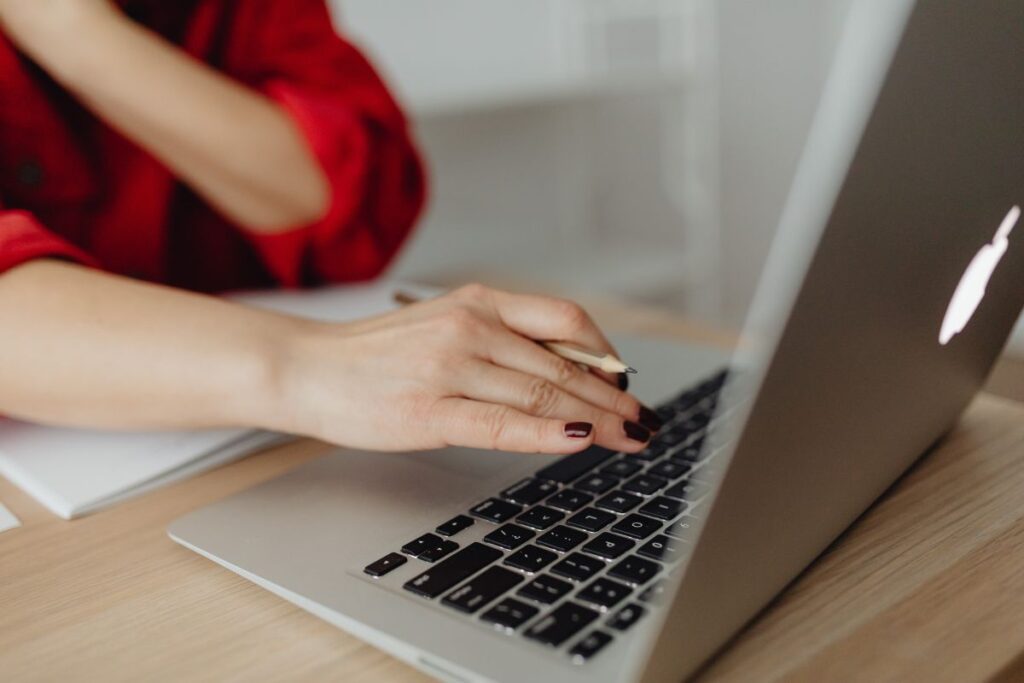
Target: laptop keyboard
[(578, 552)]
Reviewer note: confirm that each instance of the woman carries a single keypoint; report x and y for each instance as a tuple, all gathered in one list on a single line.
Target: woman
[(148, 148)]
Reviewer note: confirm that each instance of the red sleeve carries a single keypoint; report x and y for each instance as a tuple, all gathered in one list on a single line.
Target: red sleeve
[(360, 138), (23, 238)]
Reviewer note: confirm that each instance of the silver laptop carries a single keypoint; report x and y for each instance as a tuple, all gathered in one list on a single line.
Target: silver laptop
[(891, 288)]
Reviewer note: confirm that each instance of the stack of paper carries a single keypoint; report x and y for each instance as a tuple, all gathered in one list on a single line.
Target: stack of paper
[(75, 471)]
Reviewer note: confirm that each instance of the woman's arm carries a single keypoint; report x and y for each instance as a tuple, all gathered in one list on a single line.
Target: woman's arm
[(98, 350), (234, 146), (86, 348)]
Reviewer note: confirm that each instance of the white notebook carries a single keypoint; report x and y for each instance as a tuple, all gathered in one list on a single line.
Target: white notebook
[(74, 471)]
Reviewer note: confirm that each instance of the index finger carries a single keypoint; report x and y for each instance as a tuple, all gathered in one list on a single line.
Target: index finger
[(552, 319)]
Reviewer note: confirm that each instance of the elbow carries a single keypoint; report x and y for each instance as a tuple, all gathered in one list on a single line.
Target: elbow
[(305, 202), (310, 205)]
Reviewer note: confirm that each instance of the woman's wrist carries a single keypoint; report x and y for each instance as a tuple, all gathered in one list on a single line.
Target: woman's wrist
[(281, 379)]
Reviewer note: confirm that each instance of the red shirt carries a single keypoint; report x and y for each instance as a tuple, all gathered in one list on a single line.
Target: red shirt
[(72, 187)]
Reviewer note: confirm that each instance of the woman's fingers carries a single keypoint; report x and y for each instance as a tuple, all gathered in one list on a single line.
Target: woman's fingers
[(516, 353), (463, 422), (539, 397), (550, 319), (512, 351)]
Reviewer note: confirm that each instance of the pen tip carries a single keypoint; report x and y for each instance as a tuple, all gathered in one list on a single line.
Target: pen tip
[(631, 371)]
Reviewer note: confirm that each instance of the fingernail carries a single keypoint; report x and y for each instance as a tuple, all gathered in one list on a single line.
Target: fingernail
[(623, 381), (578, 430), (636, 432), (650, 419)]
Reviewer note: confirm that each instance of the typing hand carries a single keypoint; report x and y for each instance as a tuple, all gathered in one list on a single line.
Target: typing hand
[(462, 370)]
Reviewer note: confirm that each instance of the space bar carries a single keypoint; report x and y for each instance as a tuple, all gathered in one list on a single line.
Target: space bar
[(459, 566), (574, 466)]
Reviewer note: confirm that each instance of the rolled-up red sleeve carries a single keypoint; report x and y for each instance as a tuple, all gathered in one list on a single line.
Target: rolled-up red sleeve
[(23, 238), (358, 135)]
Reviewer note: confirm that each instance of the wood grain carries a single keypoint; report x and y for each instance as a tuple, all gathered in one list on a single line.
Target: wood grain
[(928, 585)]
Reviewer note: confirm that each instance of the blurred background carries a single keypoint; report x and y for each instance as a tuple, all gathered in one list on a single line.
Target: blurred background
[(638, 149)]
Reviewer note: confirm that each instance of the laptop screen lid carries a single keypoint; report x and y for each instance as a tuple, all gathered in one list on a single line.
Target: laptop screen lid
[(890, 291)]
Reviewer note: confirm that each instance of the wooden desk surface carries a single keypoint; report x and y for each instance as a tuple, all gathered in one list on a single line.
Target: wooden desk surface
[(928, 585)]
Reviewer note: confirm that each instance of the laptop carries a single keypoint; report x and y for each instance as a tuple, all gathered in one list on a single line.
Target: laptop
[(890, 290)]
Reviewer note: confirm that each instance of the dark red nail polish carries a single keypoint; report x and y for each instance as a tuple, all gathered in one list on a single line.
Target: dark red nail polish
[(578, 430), (636, 432), (623, 381), (650, 419)]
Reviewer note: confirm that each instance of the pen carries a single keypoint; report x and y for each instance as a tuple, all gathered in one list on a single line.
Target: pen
[(574, 352)]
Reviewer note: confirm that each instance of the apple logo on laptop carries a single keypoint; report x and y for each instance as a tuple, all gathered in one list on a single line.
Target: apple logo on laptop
[(971, 290)]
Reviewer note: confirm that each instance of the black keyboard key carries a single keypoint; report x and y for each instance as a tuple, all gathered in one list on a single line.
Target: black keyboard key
[(688, 454), (623, 467), (529, 491), (497, 511), (569, 500), (669, 469), (672, 438), (637, 526), (687, 490), (453, 570), (608, 546), (540, 517), (619, 501), (531, 558), (574, 466), (604, 592), (654, 450), (385, 564), (662, 548), (422, 543), (509, 537), (455, 525), (695, 424), (683, 529), (645, 484), (482, 589), (510, 613), (635, 570), (561, 625), (626, 617), (562, 538), (578, 567), (435, 553), (588, 646), (545, 589), (698, 442), (702, 417), (655, 593), (663, 508), (591, 519), (596, 483)]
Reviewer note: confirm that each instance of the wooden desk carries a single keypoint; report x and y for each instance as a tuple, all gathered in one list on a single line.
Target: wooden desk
[(928, 585)]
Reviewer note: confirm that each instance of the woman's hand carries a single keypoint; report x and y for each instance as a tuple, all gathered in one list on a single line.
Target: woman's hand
[(462, 370)]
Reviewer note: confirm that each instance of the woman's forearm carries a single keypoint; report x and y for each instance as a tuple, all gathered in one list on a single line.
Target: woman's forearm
[(90, 349), (83, 348), (235, 147)]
